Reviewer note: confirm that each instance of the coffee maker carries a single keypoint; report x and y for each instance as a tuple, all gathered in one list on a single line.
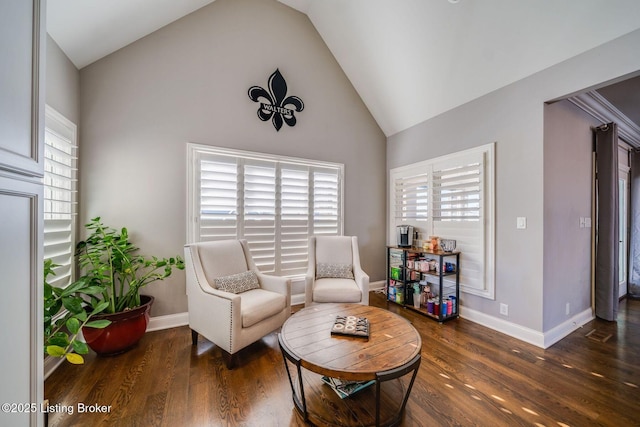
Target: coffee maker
[(404, 234)]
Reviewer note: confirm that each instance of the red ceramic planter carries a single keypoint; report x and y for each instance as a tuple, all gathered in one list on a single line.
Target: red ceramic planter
[(125, 330)]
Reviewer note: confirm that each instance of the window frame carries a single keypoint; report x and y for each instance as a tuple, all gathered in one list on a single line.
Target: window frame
[(197, 152), (486, 259)]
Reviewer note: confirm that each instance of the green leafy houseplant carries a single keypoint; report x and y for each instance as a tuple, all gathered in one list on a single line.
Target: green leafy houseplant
[(61, 328), (112, 276), (109, 261)]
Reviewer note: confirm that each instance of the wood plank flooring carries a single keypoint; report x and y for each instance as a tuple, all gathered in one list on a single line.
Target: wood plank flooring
[(469, 376)]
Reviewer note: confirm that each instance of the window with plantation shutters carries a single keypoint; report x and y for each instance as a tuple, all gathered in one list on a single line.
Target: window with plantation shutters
[(60, 206), (273, 202), (452, 197)]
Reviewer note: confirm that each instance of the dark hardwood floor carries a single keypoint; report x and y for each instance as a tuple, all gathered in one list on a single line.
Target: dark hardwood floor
[(469, 376)]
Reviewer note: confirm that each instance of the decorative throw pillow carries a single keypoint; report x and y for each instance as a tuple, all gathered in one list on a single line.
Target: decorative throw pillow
[(337, 271), (237, 283)]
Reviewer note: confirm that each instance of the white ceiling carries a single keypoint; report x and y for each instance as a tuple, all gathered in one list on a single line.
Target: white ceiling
[(409, 60)]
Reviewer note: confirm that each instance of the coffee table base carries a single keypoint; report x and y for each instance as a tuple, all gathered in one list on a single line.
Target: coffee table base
[(381, 404)]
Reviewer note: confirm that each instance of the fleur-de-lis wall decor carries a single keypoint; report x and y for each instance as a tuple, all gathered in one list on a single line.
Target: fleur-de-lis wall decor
[(274, 103)]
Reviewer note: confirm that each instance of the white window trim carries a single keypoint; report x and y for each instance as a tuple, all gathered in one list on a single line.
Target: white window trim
[(193, 190), (488, 207)]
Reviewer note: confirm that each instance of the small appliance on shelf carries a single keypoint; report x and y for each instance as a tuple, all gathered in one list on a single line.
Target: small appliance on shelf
[(404, 235)]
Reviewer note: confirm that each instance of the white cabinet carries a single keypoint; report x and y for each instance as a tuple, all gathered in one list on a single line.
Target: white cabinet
[(22, 33)]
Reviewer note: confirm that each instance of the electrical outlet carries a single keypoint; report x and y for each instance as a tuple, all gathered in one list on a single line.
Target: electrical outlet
[(521, 222), (504, 309)]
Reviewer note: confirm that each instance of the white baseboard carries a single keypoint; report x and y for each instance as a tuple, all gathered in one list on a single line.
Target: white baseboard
[(168, 321), (531, 336), (513, 330), (375, 286), (562, 330)]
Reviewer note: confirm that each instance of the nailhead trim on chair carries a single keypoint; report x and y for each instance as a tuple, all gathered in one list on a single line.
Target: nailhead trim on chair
[(230, 330)]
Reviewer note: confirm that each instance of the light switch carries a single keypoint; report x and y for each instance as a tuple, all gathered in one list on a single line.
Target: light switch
[(582, 222), (587, 222), (521, 222)]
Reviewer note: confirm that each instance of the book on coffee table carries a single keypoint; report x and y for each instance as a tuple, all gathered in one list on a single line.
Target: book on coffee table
[(351, 326)]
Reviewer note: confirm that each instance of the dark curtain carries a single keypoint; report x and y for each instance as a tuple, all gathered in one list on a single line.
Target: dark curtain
[(607, 280), (634, 226)]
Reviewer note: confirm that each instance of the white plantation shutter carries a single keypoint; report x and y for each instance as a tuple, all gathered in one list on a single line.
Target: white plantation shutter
[(452, 197), (259, 198), (458, 194), (273, 202), (218, 201), (412, 198), (326, 203), (294, 219), (60, 188)]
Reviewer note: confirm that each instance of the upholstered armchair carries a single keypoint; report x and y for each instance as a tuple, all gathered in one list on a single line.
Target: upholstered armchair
[(230, 302), (334, 273)]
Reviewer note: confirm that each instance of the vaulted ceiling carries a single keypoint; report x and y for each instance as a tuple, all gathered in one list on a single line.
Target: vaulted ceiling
[(409, 60)]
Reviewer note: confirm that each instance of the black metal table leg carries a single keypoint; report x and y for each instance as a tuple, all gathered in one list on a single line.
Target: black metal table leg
[(299, 401), (391, 375)]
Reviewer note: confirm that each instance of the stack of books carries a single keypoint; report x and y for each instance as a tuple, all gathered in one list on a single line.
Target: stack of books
[(346, 388)]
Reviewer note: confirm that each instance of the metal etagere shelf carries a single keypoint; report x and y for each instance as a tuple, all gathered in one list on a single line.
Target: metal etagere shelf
[(424, 281)]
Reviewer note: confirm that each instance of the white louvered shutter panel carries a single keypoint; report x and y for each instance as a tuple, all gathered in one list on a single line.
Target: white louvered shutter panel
[(294, 220), (326, 202), (458, 191), (412, 199), (60, 207), (260, 212), (218, 210)]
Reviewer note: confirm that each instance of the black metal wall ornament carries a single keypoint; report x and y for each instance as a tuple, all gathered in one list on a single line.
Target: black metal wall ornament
[(274, 103)]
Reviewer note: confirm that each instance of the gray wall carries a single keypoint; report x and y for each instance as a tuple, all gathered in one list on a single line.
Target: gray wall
[(63, 83), (568, 143), (188, 82), (513, 117)]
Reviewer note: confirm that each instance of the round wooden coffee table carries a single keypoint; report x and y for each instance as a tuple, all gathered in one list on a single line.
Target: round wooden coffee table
[(391, 351)]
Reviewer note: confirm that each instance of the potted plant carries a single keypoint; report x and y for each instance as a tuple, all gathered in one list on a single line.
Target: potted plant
[(65, 316), (113, 273)]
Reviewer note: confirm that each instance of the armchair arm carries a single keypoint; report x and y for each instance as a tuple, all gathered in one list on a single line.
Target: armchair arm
[(308, 289), (310, 275), (281, 285), (362, 280)]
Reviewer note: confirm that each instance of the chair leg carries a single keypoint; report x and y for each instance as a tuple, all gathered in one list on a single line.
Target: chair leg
[(194, 337), (230, 360)]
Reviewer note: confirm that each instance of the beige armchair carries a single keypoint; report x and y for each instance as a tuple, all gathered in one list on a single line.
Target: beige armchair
[(334, 273), (230, 302)]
